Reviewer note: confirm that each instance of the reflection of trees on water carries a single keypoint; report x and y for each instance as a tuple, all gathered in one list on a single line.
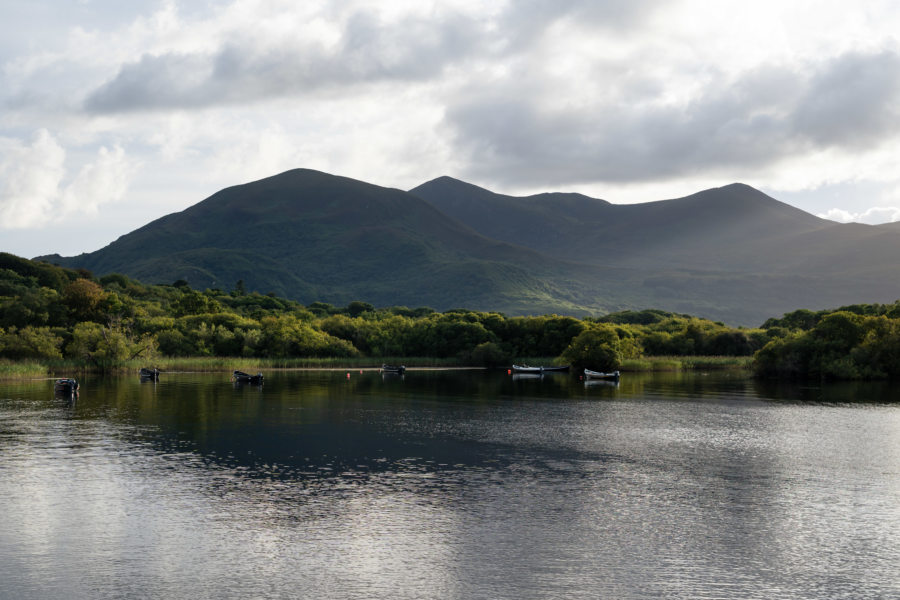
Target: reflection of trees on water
[(303, 425), (320, 424), (306, 424), (828, 392)]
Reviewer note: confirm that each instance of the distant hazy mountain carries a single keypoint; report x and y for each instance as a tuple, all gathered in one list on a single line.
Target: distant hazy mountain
[(895, 226), (730, 253), (699, 230), (734, 228)]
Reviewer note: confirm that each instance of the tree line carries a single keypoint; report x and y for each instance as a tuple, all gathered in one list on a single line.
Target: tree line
[(48, 312), (861, 341)]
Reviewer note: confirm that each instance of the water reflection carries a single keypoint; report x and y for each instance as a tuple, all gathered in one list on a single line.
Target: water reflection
[(449, 485)]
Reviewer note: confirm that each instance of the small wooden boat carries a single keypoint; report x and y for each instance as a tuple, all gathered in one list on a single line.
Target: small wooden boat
[(398, 369), (612, 376), (65, 387), (527, 369), (241, 377), (149, 374)]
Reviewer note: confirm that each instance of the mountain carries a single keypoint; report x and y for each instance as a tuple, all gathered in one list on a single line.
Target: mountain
[(312, 236), (892, 226), (674, 233), (729, 252), (732, 253)]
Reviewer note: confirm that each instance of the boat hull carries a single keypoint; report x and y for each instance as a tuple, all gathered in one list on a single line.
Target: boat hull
[(241, 377), (539, 370), (65, 387), (613, 376)]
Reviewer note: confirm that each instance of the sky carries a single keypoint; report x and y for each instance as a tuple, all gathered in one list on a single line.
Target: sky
[(117, 113)]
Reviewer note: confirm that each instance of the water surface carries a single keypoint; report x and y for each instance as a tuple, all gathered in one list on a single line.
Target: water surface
[(449, 484)]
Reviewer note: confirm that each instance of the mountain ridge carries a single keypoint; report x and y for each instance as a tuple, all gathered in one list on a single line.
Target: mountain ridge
[(317, 232), (730, 253), (547, 224)]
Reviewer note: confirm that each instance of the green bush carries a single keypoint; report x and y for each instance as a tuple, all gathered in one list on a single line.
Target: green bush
[(596, 348)]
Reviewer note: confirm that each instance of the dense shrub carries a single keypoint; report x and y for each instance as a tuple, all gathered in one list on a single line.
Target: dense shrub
[(597, 348)]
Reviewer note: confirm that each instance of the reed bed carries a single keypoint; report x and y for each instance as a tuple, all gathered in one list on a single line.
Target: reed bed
[(686, 363), (15, 369), (228, 364)]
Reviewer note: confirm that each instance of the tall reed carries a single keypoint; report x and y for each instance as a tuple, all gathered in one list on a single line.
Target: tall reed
[(14, 369)]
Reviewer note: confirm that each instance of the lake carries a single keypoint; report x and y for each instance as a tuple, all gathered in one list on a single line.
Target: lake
[(449, 484)]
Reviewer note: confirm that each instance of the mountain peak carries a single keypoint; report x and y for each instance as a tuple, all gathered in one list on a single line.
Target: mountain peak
[(745, 201), (449, 186), (738, 186)]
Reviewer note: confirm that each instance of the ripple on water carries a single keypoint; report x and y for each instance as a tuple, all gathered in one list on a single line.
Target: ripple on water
[(697, 489)]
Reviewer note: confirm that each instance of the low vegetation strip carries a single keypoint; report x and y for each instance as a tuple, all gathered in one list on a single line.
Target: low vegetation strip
[(685, 363), (21, 369)]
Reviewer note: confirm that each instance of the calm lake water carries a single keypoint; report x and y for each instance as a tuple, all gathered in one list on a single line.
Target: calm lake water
[(449, 484)]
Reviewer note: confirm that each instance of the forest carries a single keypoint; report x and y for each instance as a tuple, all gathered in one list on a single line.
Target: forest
[(49, 313)]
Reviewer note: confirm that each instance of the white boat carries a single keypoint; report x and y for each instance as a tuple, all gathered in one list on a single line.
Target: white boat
[(588, 374), (527, 369)]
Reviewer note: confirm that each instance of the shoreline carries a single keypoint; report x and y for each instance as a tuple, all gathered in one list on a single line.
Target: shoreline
[(52, 369)]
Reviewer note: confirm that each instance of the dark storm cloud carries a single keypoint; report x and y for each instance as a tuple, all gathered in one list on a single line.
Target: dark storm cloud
[(156, 81), (248, 70), (515, 134), (852, 102), (369, 51)]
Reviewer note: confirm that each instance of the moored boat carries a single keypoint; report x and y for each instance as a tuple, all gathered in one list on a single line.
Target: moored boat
[(241, 377), (398, 369), (149, 374), (65, 387), (613, 375), (527, 369)]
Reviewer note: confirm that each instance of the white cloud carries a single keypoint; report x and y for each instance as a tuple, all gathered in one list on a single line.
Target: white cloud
[(102, 181), (871, 216), (33, 187), (30, 176)]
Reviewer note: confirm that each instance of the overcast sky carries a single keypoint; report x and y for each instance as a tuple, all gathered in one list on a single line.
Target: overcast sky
[(116, 113)]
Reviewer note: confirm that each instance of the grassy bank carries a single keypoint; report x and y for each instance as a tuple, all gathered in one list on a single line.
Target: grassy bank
[(686, 363), (255, 364), (219, 364), (12, 369)]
